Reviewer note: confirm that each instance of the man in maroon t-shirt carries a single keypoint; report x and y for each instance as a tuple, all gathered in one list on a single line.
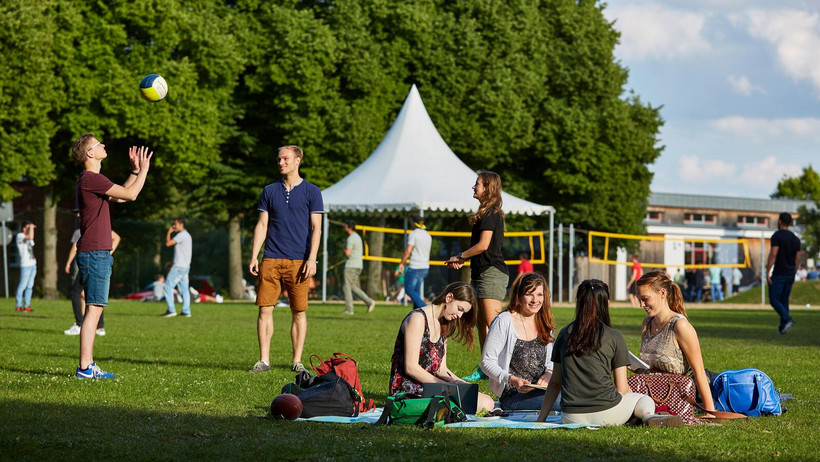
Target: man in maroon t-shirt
[(94, 192)]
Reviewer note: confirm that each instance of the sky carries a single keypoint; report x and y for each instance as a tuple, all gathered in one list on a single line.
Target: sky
[(738, 83)]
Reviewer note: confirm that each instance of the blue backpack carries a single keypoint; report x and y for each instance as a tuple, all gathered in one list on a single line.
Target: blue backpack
[(747, 391)]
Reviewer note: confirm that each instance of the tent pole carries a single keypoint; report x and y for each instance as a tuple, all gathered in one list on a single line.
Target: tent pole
[(404, 299), (326, 228), (552, 237)]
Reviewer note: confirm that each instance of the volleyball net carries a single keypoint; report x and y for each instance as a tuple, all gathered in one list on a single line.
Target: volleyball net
[(449, 243), (670, 251)]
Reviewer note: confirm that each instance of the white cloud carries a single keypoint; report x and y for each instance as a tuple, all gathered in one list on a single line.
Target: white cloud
[(743, 86), (707, 175), (693, 169), (649, 31), (756, 127), (795, 35), (768, 172)]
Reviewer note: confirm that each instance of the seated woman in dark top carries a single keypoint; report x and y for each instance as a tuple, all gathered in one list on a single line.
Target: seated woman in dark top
[(420, 352), (518, 348), (588, 354)]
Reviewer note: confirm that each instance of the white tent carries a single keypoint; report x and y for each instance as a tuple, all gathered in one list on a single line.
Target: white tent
[(413, 170)]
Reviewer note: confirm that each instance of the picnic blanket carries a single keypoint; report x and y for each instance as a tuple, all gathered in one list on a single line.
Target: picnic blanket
[(516, 419)]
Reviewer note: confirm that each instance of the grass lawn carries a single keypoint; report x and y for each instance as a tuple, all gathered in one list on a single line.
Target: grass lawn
[(183, 392), (803, 292)]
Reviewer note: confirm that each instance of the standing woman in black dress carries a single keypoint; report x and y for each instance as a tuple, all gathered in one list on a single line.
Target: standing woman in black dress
[(488, 271)]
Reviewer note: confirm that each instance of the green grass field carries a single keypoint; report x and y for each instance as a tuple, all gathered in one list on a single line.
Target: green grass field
[(183, 392), (803, 292)]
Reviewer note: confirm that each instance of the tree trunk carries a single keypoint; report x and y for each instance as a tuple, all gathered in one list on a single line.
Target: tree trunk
[(374, 268), (235, 269), (49, 264)]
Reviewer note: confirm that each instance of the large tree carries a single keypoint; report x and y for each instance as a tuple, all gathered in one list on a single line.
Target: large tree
[(806, 186), (27, 93)]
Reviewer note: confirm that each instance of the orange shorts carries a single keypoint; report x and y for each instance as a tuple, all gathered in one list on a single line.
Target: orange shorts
[(278, 273)]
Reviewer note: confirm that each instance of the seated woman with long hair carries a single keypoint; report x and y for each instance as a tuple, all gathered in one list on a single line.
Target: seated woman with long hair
[(420, 352), (669, 343), (518, 347), (588, 353)]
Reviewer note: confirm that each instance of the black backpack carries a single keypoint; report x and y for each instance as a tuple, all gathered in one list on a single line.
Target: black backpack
[(328, 394)]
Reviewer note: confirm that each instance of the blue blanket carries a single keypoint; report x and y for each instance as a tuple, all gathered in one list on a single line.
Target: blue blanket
[(517, 419)]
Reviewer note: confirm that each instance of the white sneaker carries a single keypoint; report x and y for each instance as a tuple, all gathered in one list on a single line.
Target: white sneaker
[(101, 332), (73, 330), (219, 298)]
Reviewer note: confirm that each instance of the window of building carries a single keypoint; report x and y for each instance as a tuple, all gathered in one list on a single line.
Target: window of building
[(653, 215), (709, 218), (752, 220)]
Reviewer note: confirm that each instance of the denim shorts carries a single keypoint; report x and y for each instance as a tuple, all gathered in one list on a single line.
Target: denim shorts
[(95, 273), (492, 284)]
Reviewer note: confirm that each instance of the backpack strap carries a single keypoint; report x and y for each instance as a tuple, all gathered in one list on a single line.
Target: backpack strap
[(432, 410), (388, 408)]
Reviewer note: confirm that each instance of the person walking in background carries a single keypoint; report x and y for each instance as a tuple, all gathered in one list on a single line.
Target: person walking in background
[(77, 292), (354, 249), (637, 272), (418, 252), (28, 266), (178, 274), (783, 258), (290, 227), (94, 192), (715, 284), (488, 270)]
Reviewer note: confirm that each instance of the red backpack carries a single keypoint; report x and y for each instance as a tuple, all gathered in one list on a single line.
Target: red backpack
[(343, 365)]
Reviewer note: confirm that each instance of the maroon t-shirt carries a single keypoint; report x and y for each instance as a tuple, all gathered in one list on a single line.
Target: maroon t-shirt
[(95, 216)]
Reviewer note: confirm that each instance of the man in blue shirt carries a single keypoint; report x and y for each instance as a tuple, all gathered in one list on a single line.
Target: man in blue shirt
[(290, 227)]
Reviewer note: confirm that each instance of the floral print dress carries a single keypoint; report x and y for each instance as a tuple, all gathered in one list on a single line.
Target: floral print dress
[(430, 356)]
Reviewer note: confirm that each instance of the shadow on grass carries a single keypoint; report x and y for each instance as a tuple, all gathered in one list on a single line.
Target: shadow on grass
[(38, 331), (48, 431), (156, 362)]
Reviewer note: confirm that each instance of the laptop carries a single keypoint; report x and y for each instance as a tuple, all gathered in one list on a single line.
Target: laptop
[(464, 394)]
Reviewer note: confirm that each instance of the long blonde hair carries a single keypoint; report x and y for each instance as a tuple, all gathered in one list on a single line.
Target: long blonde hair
[(491, 199)]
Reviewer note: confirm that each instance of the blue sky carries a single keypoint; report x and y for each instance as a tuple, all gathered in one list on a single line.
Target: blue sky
[(739, 82)]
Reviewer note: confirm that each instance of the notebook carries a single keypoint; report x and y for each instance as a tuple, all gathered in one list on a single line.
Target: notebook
[(464, 394)]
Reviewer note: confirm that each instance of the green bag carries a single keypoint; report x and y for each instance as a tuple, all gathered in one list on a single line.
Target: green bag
[(404, 409)]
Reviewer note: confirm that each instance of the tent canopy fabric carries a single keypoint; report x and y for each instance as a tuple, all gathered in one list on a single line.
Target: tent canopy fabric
[(413, 169)]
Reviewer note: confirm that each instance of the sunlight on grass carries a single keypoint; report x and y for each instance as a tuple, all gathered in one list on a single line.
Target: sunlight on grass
[(183, 391)]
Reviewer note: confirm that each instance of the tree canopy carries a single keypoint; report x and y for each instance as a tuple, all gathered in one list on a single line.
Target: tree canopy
[(529, 89), (806, 186)]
